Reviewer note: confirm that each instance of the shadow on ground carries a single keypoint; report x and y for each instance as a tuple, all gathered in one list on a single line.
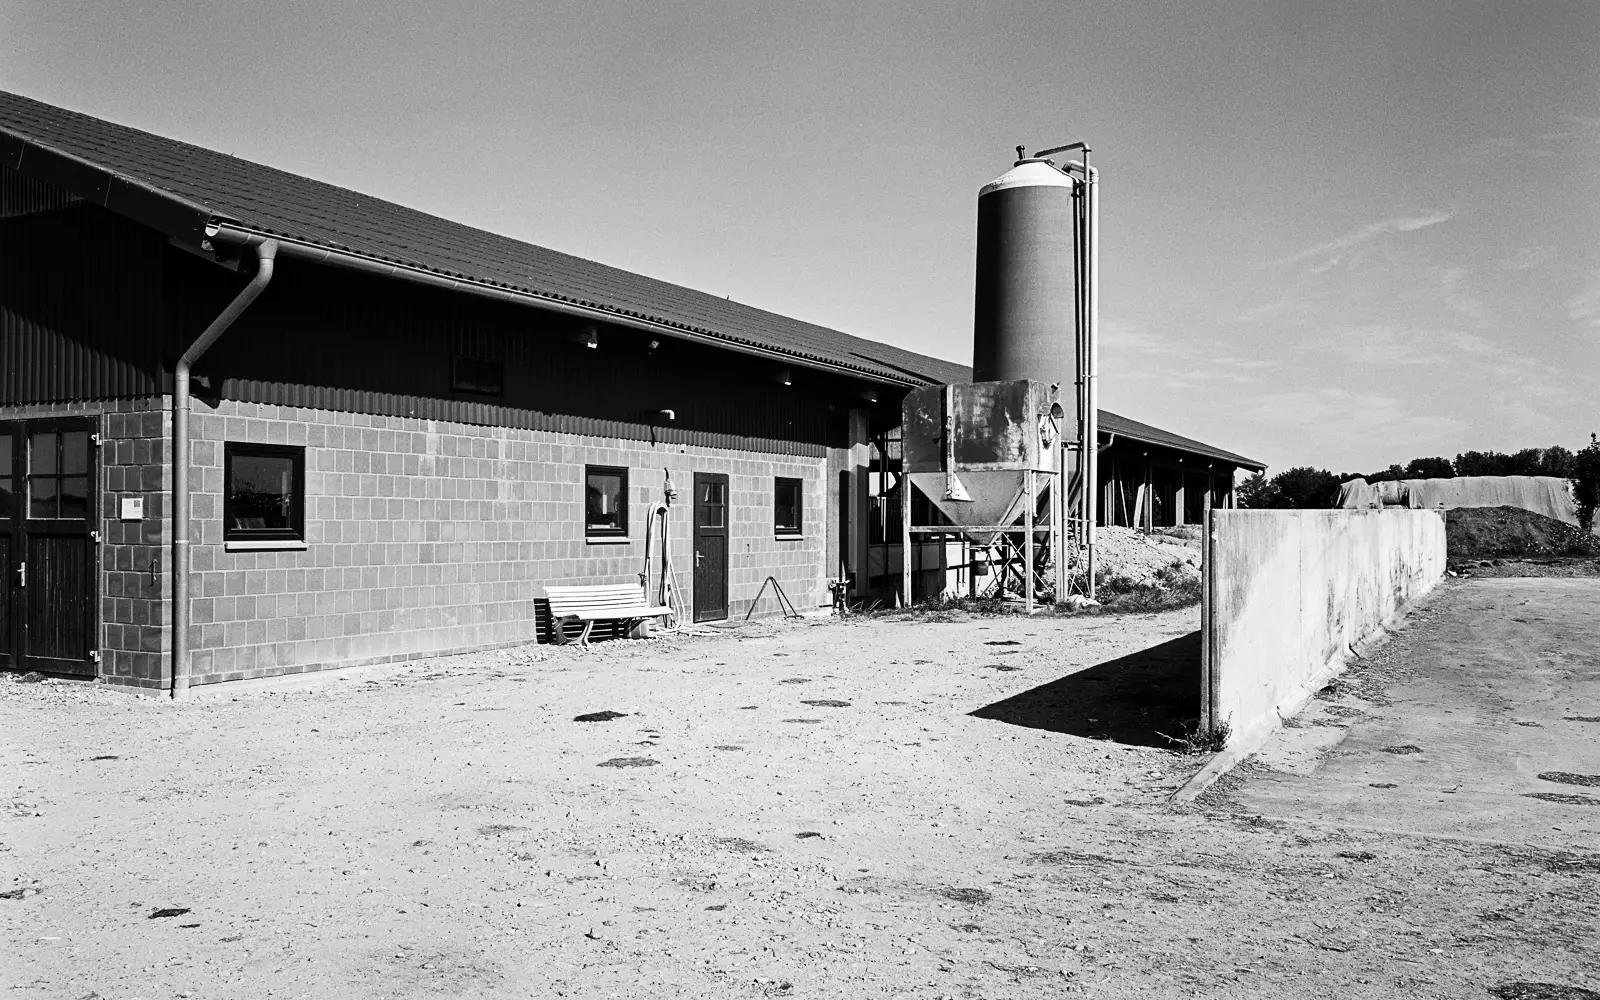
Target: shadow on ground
[(1131, 700)]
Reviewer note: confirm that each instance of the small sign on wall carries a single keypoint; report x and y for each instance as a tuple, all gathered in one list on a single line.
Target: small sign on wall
[(132, 509)]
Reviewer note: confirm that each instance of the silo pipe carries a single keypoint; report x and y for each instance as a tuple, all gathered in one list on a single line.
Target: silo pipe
[(1091, 452), (266, 254), (1092, 433)]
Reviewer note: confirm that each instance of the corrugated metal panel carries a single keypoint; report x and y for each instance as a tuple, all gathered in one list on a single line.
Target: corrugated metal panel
[(80, 298), (488, 415), (332, 340)]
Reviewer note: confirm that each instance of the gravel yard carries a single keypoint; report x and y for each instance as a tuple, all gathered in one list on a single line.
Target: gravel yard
[(972, 807)]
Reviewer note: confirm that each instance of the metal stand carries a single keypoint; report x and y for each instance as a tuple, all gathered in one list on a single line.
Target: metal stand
[(784, 604)]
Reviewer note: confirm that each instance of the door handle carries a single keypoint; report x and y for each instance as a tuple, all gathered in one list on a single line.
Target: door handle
[(697, 558), (22, 573)]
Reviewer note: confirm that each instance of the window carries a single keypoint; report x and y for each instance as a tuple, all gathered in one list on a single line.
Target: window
[(605, 505), (58, 474), (263, 493), (786, 506), (480, 376)]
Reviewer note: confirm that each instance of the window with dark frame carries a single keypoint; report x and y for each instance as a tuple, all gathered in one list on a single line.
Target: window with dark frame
[(605, 505), (480, 376), (787, 515), (264, 493), (58, 474)]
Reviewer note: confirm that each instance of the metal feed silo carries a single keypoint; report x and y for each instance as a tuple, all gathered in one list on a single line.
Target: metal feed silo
[(1025, 301)]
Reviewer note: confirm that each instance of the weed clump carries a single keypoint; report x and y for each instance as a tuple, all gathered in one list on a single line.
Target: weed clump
[(1196, 739)]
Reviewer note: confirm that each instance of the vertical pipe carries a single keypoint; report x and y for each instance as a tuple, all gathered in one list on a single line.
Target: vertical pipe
[(1058, 523), (1080, 257), (1091, 482), (266, 254)]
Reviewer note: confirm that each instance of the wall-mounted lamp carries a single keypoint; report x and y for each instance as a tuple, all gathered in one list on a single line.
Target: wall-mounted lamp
[(591, 336), (785, 376), (667, 414), (870, 395), (655, 344)]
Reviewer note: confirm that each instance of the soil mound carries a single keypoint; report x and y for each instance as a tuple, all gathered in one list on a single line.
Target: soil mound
[(1136, 559), (1512, 533)]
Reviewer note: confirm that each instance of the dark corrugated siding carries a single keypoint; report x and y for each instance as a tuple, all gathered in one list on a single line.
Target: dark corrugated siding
[(488, 415), (332, 340), (80, 298)]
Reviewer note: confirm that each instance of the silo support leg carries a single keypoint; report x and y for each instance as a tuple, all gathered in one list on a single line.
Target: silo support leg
[(905, 539), (1027, 545)]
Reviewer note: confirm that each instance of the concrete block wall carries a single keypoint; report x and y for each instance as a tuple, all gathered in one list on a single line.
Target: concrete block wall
[(427, 537), (1289, 595), (135, 572)]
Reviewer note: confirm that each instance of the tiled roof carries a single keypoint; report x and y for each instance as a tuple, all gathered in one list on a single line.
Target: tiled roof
[(180, 188)]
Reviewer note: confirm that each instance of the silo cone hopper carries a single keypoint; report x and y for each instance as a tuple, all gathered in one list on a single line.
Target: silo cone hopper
[(970, 448)]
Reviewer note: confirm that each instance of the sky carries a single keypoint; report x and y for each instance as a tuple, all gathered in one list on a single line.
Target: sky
[(1340, 234)]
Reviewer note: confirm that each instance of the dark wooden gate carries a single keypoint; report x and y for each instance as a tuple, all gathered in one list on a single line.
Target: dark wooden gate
[(48, 533), (710, 546)]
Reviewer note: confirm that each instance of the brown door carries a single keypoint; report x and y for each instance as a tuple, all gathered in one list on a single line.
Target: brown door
[(48, 546), (710, 546)]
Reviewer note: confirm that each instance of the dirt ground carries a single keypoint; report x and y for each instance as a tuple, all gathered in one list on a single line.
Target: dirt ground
[(835, 809), (1482, 720)]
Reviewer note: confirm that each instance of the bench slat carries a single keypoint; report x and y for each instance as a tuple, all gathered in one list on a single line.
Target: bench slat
[(601, 601)]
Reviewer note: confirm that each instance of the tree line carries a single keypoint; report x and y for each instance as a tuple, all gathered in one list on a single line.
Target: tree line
[(1308, 487)]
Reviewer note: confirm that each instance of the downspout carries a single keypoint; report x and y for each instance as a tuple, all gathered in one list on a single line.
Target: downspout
[(266, 253)]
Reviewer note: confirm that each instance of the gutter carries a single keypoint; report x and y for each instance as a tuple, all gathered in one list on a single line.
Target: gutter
[(266, 253), (130, 197), (219, 231)]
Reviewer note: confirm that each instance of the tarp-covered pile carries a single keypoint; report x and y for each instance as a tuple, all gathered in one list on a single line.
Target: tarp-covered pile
[(1547, 495)]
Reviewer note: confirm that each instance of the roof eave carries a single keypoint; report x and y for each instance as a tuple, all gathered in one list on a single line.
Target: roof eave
[(231, 232), (159, 209), (1239, 461), (194, 224)]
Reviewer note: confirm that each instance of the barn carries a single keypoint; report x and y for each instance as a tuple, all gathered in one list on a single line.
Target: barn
[(385, 433)]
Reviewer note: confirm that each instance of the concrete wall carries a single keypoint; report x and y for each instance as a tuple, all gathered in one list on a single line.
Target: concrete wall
[(1290, 592)]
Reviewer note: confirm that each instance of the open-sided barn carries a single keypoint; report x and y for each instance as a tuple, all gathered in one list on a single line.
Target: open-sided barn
[(412, 428)]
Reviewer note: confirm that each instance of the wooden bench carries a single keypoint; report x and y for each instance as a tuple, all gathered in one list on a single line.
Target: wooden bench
[(601, 602)]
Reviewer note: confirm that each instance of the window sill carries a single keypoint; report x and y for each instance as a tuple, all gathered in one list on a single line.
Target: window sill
[(607, 540), (789, 536), (266, 545)]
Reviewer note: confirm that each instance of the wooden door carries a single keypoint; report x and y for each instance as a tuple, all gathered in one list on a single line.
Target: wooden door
[(50, 548), (10, 544), (710, 546)]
